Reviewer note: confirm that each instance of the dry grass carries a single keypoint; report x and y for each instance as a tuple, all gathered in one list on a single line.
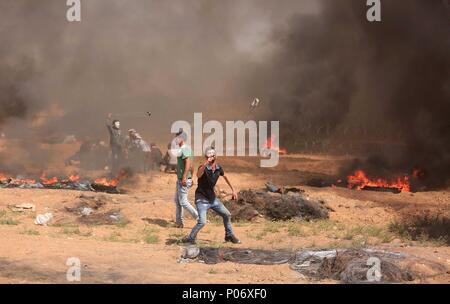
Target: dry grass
[(150, 235), (30, 232), (7, 219), (424, 230)]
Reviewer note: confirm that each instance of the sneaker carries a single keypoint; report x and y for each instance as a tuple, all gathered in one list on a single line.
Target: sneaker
[(187, 240), (232, 239), (179, 226)]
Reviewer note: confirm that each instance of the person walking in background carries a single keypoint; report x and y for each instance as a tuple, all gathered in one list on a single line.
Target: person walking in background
[(138, 152), (184, 179), (170, 159), (156, 158)]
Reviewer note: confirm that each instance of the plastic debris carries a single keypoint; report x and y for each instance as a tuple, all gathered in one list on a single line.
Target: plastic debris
[(43, 219), (86, 211), (345, 265)]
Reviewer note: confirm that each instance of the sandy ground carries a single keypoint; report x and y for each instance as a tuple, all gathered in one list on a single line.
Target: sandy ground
[(142, 251)]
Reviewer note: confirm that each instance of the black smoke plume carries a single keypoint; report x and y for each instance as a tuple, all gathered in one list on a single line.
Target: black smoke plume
[(381, 89)]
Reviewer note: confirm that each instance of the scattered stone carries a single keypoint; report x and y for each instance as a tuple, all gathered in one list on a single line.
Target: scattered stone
[(86, 211), (22, 207)]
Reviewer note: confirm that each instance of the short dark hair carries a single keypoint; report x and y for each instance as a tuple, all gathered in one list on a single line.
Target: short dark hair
[(115, 120), (180, 131)]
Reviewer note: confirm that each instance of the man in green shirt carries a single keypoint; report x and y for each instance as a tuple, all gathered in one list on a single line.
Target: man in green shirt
[(184, 179)]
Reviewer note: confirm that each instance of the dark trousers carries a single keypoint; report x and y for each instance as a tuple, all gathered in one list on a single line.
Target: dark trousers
[(116, 160)]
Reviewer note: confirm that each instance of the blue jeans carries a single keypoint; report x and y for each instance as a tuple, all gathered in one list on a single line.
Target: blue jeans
[(219, 208), (181, 201)]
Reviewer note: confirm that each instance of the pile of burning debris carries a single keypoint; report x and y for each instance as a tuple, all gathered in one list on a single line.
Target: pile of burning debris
[(360, 180), (90, 210), (277, 203), (72, 182), (345, 265)]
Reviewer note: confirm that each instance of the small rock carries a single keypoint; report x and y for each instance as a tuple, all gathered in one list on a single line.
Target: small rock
[(22, 207), (86, 211), (191, 252)]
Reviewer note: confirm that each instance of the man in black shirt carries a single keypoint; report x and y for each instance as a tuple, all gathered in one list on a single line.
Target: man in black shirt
[(205, 197)]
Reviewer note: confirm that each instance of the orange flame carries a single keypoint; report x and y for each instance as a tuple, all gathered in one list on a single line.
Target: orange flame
[(360, 181), (105, 182), (269, 145), (74, 178), (3, 177), (48, 181)]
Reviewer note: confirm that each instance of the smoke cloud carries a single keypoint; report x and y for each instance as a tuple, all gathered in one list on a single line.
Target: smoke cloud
[(335, 81), (381, 89), (167, 57)]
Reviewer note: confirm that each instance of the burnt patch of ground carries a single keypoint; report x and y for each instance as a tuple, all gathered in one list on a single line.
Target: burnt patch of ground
[(276, 206), (91, 202), (112, 217), (89, 211)]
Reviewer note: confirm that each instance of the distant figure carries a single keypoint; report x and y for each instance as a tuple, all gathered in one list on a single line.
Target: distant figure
[(116, 142), (156, 158), (170, 159), (81, 155), (138, 152), (184, 179), (90, 156)]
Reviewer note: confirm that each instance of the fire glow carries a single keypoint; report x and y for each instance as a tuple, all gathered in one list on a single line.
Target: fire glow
[(54, 181), (270, 146), (360, 181), (108, 183)]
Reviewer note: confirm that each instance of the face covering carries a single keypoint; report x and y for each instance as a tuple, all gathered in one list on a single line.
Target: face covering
[(211, 155)]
